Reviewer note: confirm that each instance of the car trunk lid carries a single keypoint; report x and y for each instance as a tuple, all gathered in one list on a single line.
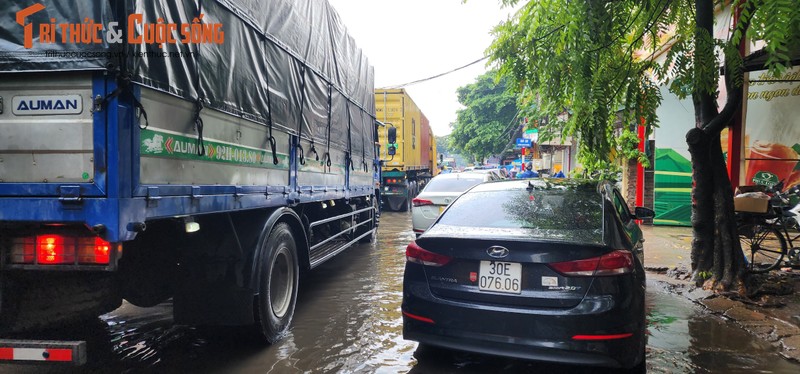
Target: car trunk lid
[(508, 271)]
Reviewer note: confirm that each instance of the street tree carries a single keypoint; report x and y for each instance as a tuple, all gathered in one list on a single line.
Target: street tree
[(484, 127), (442, 144), (586, 56)]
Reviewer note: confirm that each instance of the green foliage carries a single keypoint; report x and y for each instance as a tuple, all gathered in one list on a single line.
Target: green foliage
[(442, 145), (597, 168), (777, 23), (484, 127), (577, 56), (595, 60), (629, 147)]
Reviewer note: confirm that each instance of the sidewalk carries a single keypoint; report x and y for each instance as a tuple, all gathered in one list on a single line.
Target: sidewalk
[(775, 318)]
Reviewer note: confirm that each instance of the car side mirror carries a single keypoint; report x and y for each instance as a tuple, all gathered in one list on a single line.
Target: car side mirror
[(392, 136), (392, 150), (642, 213)]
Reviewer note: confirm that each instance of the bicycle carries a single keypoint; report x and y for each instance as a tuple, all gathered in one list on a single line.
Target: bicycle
[(770, 236)]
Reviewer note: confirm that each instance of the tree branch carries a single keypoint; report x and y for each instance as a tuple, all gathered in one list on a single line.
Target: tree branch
[(735, 94)]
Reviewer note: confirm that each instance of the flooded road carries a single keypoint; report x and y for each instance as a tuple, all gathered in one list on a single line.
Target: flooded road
[(348, 321)]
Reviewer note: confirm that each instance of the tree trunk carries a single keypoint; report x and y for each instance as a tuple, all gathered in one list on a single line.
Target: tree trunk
[(702, 210), (717, 258)]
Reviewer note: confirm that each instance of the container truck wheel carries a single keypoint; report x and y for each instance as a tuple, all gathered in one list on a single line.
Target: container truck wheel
[(279, 279)]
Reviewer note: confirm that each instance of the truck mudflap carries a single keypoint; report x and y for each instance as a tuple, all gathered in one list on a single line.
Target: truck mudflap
[(398, 202), (64, 352)]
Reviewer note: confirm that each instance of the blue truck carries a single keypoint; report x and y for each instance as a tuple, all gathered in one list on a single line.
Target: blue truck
[(205, 151)]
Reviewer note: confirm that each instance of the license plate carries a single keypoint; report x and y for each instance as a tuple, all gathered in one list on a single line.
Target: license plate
[(498, 276), (441, 209)]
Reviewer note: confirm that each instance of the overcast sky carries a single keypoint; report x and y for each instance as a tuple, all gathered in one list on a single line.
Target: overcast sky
[(407, 40)]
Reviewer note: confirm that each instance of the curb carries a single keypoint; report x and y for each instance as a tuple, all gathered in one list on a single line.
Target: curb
[(759, 322)]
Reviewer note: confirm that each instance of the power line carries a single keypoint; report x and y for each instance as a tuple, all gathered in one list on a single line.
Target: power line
[(435, 76)]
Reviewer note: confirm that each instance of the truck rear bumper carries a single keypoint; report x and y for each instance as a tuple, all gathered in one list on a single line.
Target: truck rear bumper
[(43, 351)]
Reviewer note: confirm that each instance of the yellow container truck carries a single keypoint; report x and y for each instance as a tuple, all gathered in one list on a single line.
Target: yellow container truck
[(409, 162)]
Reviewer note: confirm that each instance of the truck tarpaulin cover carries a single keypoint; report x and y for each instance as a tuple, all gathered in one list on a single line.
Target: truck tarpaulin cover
[(288, 61)]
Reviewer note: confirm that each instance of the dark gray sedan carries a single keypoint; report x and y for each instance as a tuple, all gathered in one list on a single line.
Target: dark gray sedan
[(541, 269)]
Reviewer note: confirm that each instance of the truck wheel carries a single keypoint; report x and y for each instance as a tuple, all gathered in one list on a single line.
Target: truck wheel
[(279, 279)]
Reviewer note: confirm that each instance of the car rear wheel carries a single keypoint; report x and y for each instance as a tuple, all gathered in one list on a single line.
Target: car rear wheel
[(641, 368)]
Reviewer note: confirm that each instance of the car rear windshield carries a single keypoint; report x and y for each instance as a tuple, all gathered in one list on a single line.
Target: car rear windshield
[(568, 214), (452, 184)]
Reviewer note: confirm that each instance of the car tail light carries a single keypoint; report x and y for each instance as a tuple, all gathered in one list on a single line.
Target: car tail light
[(420, 202), (417, 255), (613, 263), (53, 249)]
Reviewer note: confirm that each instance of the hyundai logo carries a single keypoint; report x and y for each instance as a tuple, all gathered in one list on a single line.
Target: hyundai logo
[(497, 251)]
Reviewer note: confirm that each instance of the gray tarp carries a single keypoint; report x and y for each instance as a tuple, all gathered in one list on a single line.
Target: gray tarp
[(288, 60), (42, 57)]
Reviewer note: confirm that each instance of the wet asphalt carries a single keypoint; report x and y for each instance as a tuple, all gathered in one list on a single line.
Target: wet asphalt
[(348, 321)]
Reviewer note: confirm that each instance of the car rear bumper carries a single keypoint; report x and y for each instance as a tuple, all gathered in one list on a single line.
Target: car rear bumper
[(526, 350), (533, 334), (420, 223)]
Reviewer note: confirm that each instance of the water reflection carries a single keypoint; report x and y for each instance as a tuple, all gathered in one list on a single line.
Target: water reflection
[(686, 340)]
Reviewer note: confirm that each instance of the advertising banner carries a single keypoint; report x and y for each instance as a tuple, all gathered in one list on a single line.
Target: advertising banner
[(772, 149)]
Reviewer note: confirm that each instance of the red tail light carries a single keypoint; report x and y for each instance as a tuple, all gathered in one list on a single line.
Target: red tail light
[(417, 255), (613, 263), (52, 249), (420, 202), (55, 249)]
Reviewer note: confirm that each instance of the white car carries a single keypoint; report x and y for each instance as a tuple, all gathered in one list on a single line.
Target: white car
[(498, 173), (440, 192)]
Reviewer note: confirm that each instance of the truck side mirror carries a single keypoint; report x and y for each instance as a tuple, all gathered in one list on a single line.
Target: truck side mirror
[(392, 136), (392, 150)]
